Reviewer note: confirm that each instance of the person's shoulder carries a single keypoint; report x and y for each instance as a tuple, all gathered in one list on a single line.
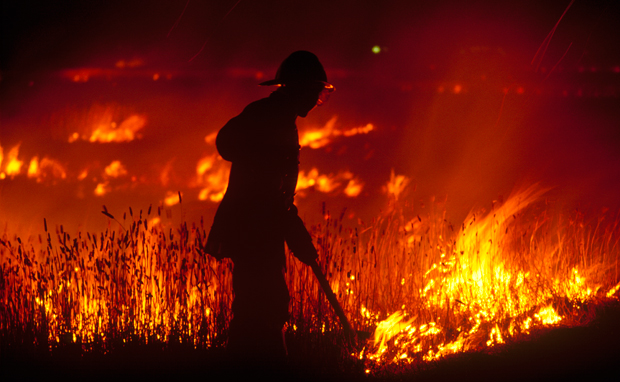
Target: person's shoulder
[(272, 110), (260, 106)]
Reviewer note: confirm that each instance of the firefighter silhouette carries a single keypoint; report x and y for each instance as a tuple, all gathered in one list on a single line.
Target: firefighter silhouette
[(257, 213)]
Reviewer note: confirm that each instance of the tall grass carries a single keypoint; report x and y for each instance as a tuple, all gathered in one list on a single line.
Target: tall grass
[(423, 286), (141, 284)]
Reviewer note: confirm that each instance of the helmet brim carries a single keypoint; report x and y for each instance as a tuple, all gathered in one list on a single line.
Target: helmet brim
[(270, 83), (276, 82)]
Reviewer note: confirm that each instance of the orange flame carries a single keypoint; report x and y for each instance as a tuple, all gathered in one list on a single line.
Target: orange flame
[(46, 168), (318, 137), (329, 183), (41, 170), (101, 127), (115, 169), (483, 285), (126, 131), (102, 189), (172, 198), (210, 139), (12, 165), (212, 177), (396, 185), (354, 187)]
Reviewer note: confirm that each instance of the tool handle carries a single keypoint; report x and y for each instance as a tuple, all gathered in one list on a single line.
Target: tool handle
[(331, 297)]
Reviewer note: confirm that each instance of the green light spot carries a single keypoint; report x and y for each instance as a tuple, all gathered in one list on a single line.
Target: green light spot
[(376, 49)]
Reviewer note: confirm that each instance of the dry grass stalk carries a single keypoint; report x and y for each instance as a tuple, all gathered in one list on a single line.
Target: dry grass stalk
[(431, 289)]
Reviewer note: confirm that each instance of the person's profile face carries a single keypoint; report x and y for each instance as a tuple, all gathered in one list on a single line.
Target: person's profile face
[(307, 97), (309, 101)]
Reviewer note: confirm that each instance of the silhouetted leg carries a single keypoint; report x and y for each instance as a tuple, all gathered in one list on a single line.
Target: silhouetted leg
[(260, 310)]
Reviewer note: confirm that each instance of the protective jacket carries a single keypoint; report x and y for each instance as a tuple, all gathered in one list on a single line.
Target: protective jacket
[(263, 145)]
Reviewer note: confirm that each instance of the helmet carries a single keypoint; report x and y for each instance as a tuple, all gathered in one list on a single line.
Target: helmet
[(300, 67)]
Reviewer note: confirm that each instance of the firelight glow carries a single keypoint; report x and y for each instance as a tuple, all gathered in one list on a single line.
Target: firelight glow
[(485, 286), (426, 292)]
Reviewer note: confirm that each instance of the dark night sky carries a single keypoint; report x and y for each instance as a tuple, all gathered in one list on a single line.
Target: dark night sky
[(69, 33)]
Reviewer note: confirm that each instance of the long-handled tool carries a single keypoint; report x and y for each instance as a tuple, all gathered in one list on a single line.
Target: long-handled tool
[(300, 243), (356, 338), (331, 297)]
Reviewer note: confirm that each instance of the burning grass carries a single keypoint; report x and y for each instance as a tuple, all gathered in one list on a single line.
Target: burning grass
[(424, 287)]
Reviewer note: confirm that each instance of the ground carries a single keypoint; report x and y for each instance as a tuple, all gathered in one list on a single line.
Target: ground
[(587, 352)]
